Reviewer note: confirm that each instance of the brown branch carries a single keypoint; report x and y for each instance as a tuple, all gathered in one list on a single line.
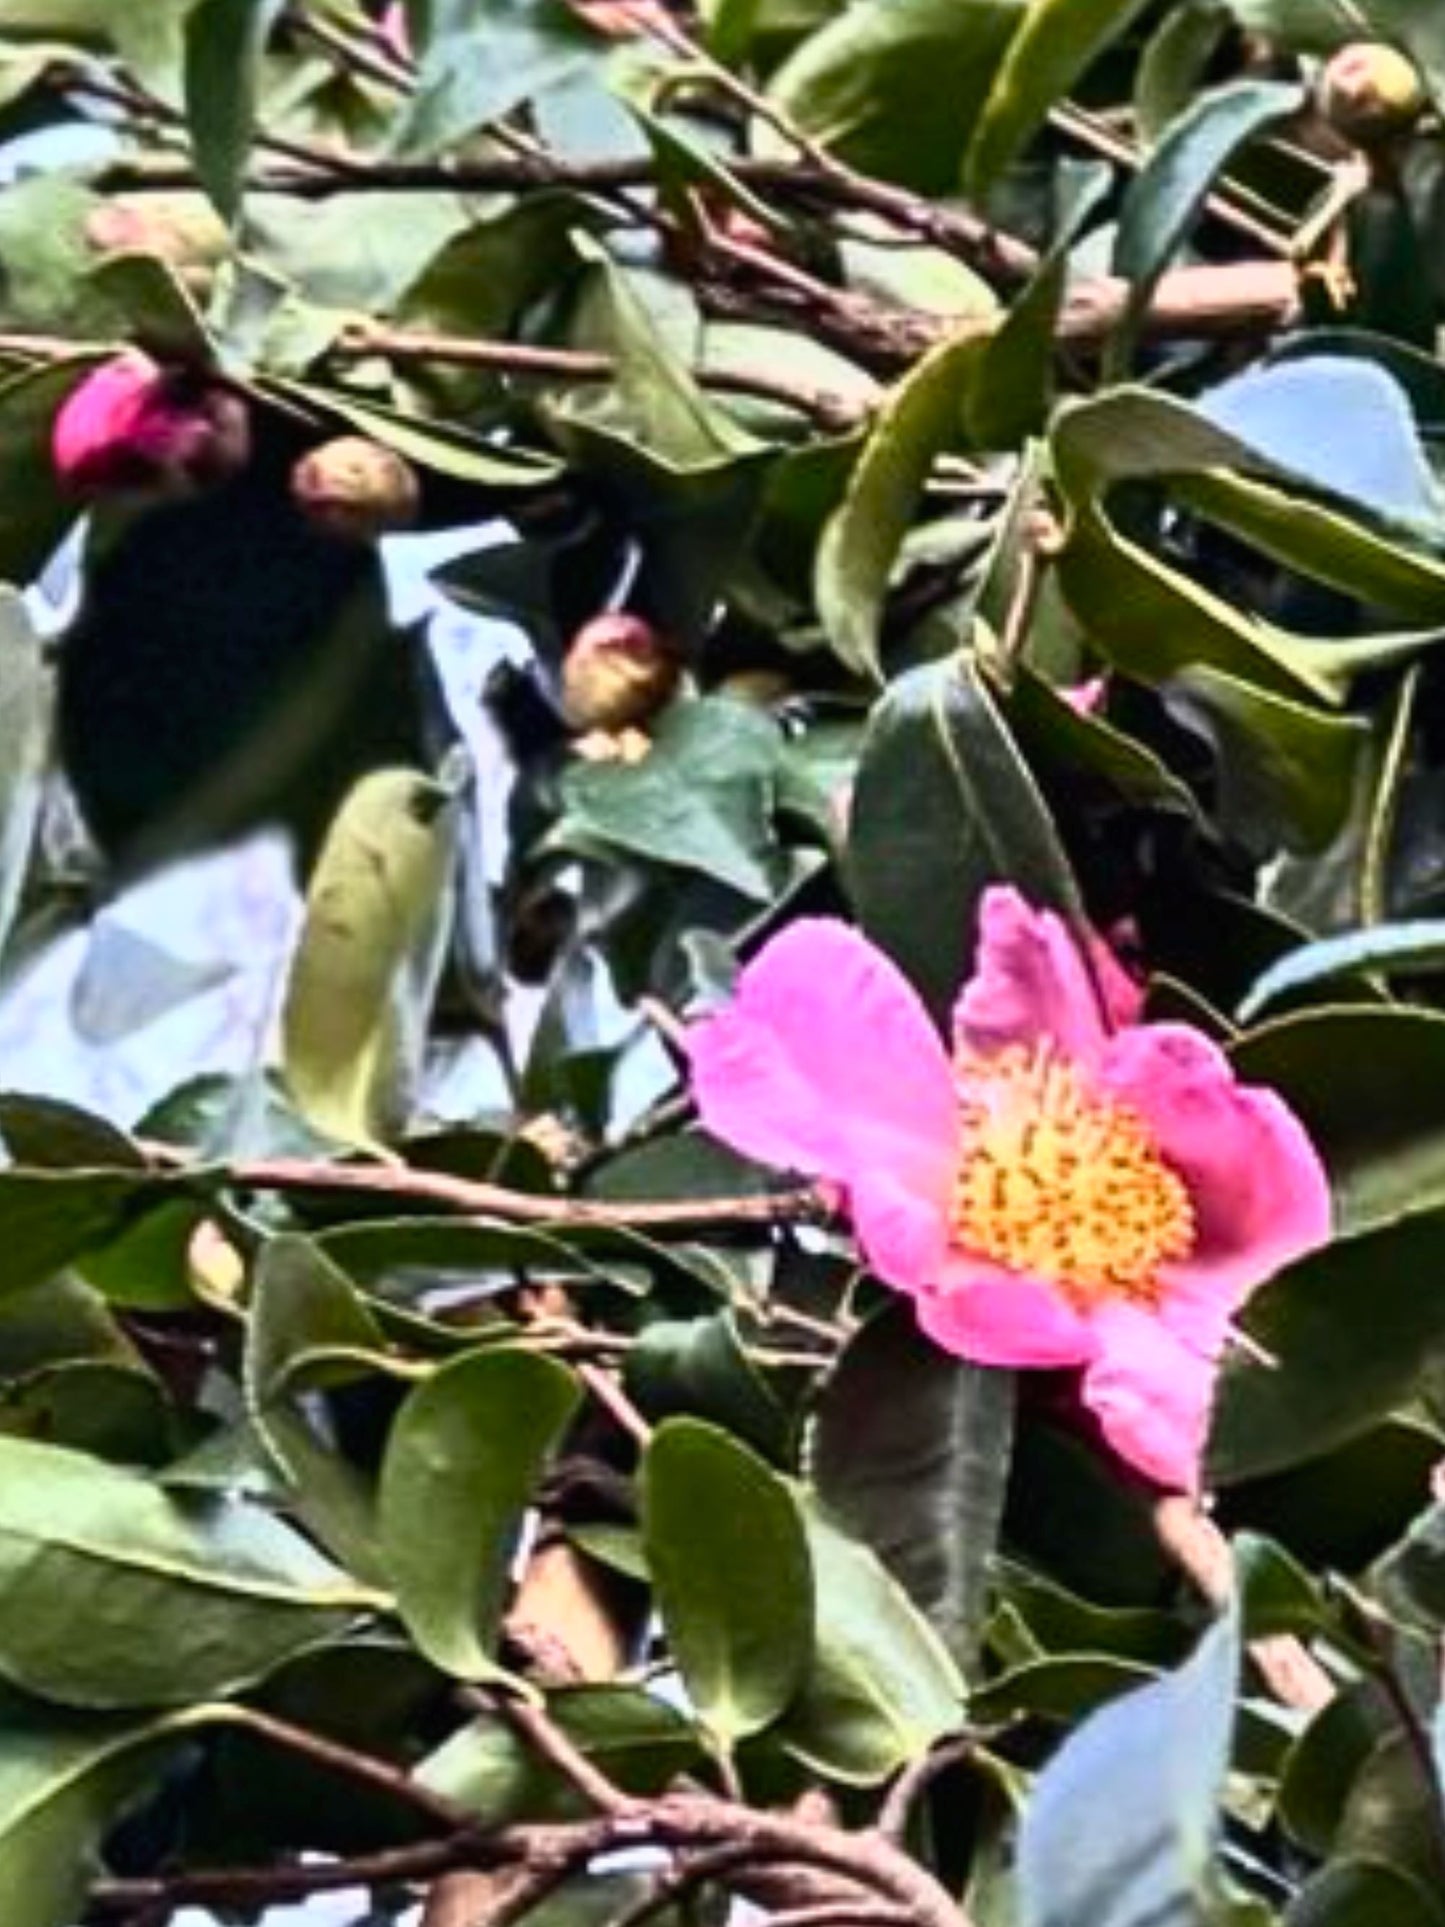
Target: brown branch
[(831, 411), (1200, 1549), (250, 1888), (913, 1782), (551, 1745), (473, 1198)]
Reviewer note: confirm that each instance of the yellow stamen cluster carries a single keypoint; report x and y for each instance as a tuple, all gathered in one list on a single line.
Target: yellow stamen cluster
[(1062, 1183)]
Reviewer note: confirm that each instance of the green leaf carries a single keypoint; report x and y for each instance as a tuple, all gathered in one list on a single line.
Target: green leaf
[(893, 86), (25, 724), (441, 448), (1357, 1892), (697, 1367), (639, 1741), (1052, 46), (34, 515), (530, 45), (944, 805), (1165, 197), (113, 1593), (701, 799), (1350, 1330), (920, 418), (362, 978), (1123, 1821), (920, 1479), (225, 40), (47, 1133), (731, 1573), (1410, 1578), (1415, 948), (307, 1329), (1287, 775), (1369, 1087), (63, 1785), (50, 1218), (462, 1462), (880, 1689), (1172, 66)]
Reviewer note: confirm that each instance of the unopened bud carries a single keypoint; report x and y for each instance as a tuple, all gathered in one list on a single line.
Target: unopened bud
[(1370, 94), (617, 673), (356, 489), (183, 230), (133, 428)]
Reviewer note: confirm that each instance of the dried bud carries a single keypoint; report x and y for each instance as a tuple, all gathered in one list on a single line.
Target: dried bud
[(356, 489), (183, 230), (1370, 94), (617, 673), (134, 428)]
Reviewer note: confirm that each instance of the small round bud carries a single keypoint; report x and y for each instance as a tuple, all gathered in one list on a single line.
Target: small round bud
[(356, 489), (183, 230), (133, 428), (617, 673), (1370, 94)]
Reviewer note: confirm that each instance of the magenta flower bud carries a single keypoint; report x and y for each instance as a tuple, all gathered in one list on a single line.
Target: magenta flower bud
[(618, 673), (131, 427)]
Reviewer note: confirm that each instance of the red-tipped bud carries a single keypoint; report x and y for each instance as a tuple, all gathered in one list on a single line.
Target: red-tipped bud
[(617, 673), (1370, 94), (356, 489), (134, 428)]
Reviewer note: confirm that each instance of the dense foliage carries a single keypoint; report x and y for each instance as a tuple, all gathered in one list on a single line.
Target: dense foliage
[(925, 445)]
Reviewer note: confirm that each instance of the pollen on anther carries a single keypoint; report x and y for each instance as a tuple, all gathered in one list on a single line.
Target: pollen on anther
[(1063, 1183)]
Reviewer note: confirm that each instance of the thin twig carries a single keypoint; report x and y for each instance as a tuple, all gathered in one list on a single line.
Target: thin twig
[(606, 1388), (403, 1184), (401, 346), (551, 1744)]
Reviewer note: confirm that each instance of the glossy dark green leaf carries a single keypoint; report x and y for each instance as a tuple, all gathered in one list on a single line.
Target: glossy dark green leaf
[(1415, 948), (880, 1688), (224, 43), (1165, 197), (1350, 1331), (1369, 1087), (49, 1218), (1051, 48), (1356, 1892), (894, 86), (64, 1783), (920, 418), (1287, 774), (1123, 1822), (697, 1367), (1411, 1576), (1326, 1758), (1173, 63), (639, 1741), (731, 1573), (199, 1599), (943, 806), (920, 1479), (46, 1133), (701, 799), (462, 1461), (115, 1411)]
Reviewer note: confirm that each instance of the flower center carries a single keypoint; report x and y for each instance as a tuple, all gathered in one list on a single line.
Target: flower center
[(1062, 1183)]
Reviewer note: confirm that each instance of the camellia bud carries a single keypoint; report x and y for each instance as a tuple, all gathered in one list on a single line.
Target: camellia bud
[(617, 673), (134, 428), (183, 230), (356, 489), (1370, 93)]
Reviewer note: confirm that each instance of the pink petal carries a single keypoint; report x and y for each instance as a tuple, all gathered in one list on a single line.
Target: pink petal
[(903, 1233), (979, 1310), (1260, 1195), (1030, 984), (1151, 1392), (826, 1062)]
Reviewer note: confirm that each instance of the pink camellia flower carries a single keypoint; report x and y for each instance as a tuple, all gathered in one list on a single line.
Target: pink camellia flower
[(131, 426), (1071, 1188)]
